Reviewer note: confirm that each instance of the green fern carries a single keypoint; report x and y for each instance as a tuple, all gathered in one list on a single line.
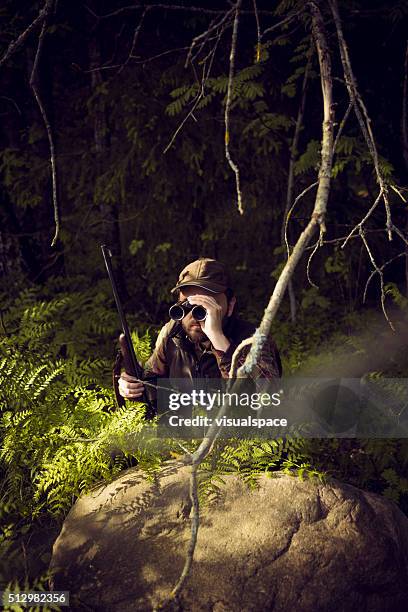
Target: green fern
[(59, 428)]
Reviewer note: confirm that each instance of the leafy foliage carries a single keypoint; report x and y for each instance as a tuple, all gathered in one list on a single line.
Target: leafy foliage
[(60, 431)]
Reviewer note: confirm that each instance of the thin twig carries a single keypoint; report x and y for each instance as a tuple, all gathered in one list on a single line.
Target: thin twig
[(195, 459), (398, 192), (337, 240), (281, 23), (206, 39), (380, 274), (374, 272), (195, 521), (210, 53), (196, 102), (314, 249), (204, 35), (34, 87), (228, 107), (171, 7), (300, 196), (258, 32), (135, 61), (180, 127), (341, 126), (361, 223), (134, 41), (13, 102), (400, 234), (154, 57)]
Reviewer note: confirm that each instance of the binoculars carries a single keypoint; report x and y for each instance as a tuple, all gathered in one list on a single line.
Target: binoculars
[(178, 311)]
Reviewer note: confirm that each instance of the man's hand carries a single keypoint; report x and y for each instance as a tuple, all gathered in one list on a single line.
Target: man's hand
[(212, 325), (129, 388)]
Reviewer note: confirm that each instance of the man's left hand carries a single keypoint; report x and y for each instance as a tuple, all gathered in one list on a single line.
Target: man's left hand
[(212, 325)]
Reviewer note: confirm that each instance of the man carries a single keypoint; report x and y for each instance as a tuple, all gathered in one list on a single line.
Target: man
[(203, 349)]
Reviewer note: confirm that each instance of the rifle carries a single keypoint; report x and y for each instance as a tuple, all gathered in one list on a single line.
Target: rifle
[(126, 355)]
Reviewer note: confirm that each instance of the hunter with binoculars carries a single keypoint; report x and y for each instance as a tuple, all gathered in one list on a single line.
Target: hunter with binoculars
[(202, 334)]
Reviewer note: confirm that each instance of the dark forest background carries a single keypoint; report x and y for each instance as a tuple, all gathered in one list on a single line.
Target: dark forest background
[(115, 88)]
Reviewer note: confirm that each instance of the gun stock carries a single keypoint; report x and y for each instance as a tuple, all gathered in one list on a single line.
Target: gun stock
[(131, 368)]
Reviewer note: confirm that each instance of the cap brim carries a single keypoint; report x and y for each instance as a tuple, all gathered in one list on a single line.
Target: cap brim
[(213, 287)]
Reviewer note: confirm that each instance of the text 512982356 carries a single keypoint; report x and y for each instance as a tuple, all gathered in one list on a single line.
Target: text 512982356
[(30, 598)]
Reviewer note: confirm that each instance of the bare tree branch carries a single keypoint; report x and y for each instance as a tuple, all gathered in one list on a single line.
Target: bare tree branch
[(228, 107), (323, 190), (374, 272), (12, 48), (361, 112), (281, 23), (204, 35), (134, 58), (398, 192), (337, 240), (361, 223), (341, 126), (400, 234), (134, 40), (171, 7), (195, 522), (35, 88), (378, 271)]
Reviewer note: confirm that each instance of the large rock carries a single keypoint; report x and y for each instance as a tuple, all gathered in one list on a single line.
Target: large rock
[(289, 545)]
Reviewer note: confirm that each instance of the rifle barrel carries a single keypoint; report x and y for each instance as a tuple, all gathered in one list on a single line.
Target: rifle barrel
[(137, 369)]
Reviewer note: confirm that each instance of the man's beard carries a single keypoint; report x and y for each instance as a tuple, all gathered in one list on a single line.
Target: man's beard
[(195, 334)]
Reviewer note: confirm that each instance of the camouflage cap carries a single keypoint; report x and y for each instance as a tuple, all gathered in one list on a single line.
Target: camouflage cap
[(206, 273)]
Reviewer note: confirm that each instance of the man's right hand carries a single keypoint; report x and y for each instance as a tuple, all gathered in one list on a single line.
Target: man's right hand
[(129, 388)]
